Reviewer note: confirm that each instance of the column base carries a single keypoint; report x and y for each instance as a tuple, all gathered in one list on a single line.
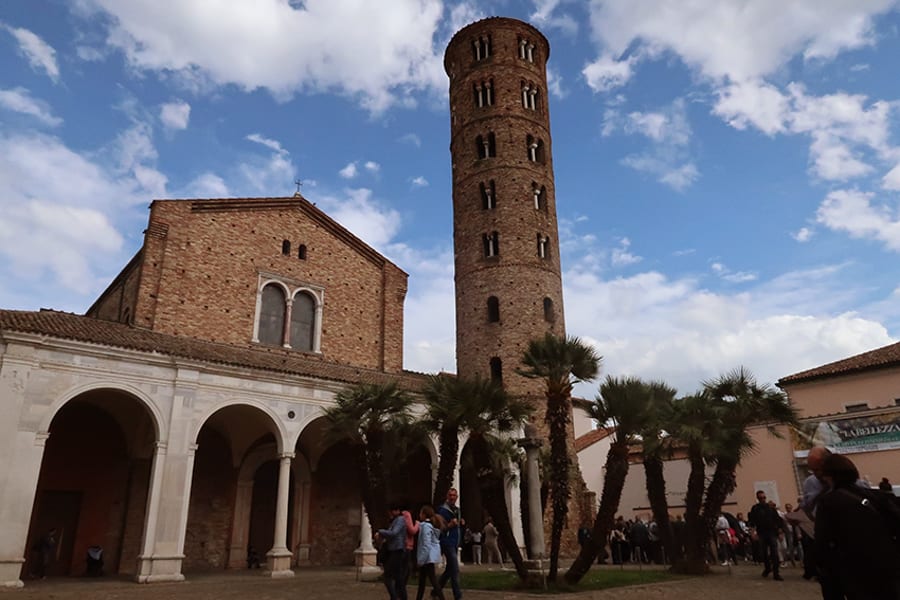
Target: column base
[(158, 568), (537, 577), (10, 569), (367, 568), (278, 563)]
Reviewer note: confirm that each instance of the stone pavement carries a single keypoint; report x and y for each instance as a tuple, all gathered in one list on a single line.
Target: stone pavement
[(738, 583)]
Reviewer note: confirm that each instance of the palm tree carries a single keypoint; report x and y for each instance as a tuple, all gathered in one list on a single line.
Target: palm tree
[(376, 420), (695, 421), (560, 362), (622, 408), (655, 448), (742, 403), (483, 409)]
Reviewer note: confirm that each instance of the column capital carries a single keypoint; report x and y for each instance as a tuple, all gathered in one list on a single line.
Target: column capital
[(286, 455)]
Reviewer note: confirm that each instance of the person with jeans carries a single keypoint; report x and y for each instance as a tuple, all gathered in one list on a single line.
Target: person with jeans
[(449, 511), (396, 564), (767, 523)]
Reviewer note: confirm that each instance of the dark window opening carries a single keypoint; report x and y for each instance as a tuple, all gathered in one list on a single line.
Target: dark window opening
[(493, 309), (858, 407), (496, 369), (486, 146), (491, 243), (526, 50), (271, 316), (303, 320), (549, 316), (482, 47), (540, 196), (543, 246), (301, 252), (484, 93), (535, 149), (286, 247), (488, 195)]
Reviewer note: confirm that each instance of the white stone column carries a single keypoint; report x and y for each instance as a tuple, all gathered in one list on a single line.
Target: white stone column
[(278, 559), (286, 329), (514, 503), (366, 559), (19, 471), (151, 517)]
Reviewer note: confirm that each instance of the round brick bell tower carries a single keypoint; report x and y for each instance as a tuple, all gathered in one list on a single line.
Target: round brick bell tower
[(507, 268), (505, 235)]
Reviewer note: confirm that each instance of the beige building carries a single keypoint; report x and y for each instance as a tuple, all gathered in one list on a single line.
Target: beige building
[(851, 406)]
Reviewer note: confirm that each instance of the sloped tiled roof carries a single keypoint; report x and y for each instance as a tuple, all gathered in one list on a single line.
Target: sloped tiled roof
[(69, 326), (590, 438), (880, 358)]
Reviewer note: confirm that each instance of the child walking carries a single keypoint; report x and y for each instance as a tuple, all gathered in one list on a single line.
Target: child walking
[(428, 552)]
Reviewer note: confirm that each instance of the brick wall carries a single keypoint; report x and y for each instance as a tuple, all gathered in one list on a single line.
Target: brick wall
[(202, 262), (334, 508)]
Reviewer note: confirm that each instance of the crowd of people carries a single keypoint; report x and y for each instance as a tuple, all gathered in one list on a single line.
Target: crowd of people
[(435, 538)]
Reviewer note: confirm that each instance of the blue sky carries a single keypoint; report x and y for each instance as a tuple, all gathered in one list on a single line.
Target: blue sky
[(727, 172)]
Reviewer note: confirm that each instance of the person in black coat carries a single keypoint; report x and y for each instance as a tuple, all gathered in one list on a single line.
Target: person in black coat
[(857, 534), (767, 523)]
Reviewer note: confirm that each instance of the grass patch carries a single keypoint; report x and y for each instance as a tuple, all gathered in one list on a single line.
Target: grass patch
[(596, 579)]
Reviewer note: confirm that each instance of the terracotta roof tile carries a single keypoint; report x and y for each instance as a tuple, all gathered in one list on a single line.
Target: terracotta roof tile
[(880, 358), (590, 438), (86, 329)]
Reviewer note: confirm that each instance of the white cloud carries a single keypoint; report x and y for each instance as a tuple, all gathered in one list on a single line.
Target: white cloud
[(606, 73), (267, 142), (411, 138), (802, 235), (419, 182), (554, 83), (891, 181), (20, 100), (622, 257), (668, 159), (543, 16), (349, 172), (287, 47), (175, 115), (207, 185), (655, 327), (722, 38), (40, 55), (754, 103), (853, 211), (372, 167)]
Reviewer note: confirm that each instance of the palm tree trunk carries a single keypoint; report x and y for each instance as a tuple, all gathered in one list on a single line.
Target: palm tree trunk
[(448, 442), (376, 480), (656, 493), (722, 484), (613, 482), (557, 419), (696, 534), (492, 485)]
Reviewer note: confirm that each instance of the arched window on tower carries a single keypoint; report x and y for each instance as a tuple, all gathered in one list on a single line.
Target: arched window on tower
[(543, 246), (530, 96), (482, 47), (493, 309), (526, 50), (486, 146), (539, 194), (303, 322), (301, 252), (549, 315), (286, 247), (488, 195), (535, 149), (496, 369), (491, 244), (484, 93), (271, 316)]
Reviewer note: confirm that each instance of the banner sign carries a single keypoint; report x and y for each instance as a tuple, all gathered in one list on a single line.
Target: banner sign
[(868, 433)]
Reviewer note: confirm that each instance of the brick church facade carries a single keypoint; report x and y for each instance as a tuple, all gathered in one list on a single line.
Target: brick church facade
[(178, 422)]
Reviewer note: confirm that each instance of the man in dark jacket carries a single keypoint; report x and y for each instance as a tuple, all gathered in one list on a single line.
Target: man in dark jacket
[(767, 523)]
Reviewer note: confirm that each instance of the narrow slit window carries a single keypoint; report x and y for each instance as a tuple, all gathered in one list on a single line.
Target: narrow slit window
[(488, 195), (543, 246), (548, 310), (301, 252), (496, 369), (493, 309), (491, 243), (286, 247)]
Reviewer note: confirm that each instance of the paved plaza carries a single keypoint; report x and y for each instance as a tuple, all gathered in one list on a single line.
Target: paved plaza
[(739, 583)]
